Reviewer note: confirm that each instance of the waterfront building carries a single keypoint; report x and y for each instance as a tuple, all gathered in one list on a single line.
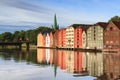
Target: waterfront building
[(47, 40), (76, 36), (51, 39), (61, 38), (70, 37), (95, 36), (84, 39), (112, 35), (55, 28), (41, 40)]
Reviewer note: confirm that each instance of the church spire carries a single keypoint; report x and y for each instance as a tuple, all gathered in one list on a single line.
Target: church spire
[(55, 26)]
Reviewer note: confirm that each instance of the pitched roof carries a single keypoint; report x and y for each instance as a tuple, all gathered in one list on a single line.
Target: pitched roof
[(117, 23), (83, 26), (80, 25), (102, 24)]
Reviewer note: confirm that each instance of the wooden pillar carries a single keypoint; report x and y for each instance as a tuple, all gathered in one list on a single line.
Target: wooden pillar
[(20, 43), (27, 44)]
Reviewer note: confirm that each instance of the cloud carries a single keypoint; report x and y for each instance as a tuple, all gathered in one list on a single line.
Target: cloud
[(25, 6), (17, 11)]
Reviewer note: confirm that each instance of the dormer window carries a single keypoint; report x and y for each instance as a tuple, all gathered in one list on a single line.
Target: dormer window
[(111, 28)]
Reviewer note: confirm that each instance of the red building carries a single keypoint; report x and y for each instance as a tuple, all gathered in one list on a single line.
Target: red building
[(78, 34), (44, 40), (61, 38), (112, 35), (78, 37)]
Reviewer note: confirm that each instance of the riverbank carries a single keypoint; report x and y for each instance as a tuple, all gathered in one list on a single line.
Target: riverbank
[(74, 49), (17, 47)]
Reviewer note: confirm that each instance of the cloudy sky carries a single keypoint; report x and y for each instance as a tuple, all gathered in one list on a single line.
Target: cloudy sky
[(29, 14)]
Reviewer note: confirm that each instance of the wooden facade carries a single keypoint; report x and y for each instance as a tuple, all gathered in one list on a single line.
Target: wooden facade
[(61, 38), (112, 35)]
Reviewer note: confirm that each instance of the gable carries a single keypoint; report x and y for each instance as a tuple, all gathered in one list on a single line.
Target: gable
[(111, 24)]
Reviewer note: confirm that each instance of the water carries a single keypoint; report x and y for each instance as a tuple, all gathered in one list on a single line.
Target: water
[(48, 64)]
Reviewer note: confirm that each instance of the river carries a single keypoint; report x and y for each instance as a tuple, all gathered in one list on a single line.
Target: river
[(48, 64)]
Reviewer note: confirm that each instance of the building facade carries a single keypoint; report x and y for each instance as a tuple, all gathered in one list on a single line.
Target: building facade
[(84, 39), (70, 37), (51, 39), (95, 35), (47, 40), (41, 40), (61, 38), (76, 36), (112, 35)]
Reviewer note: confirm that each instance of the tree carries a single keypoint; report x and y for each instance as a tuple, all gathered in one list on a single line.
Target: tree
[(115, 18), (16, 36), (31, 35), (7, 37)]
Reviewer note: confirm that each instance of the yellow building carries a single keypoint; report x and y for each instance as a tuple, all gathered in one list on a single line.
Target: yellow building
[(41, 40)]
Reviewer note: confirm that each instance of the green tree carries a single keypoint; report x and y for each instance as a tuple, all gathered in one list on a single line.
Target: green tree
[(29, 34), (16, 36), (7, 37), (115, 18)]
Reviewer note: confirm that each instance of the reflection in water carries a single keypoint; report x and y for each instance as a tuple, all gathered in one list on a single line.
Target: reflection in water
[(111, 66), (95, 64), (104, 66), (19, 56)]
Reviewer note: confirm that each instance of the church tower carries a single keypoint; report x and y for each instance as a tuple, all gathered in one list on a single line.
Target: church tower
[(55, 26), (55, 32)]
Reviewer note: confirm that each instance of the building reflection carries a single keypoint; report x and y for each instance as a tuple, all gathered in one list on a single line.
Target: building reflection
[(104, 66), (44, 56), (111, 66), (69, 61), (95, 64), (61, 59), (77, 62), (40, 55)]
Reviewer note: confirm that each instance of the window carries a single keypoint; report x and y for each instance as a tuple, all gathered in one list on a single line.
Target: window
[(111, 28), (111, 42)]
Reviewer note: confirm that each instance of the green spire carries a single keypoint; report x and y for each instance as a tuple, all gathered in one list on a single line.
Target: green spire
[(55, 26)]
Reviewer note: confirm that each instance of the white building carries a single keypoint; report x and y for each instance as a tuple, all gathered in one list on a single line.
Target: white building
[(84, 40), (47, 40), (70, 37)]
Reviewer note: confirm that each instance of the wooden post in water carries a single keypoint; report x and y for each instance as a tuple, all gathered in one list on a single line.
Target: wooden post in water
[(27, 44), (20, 43)]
